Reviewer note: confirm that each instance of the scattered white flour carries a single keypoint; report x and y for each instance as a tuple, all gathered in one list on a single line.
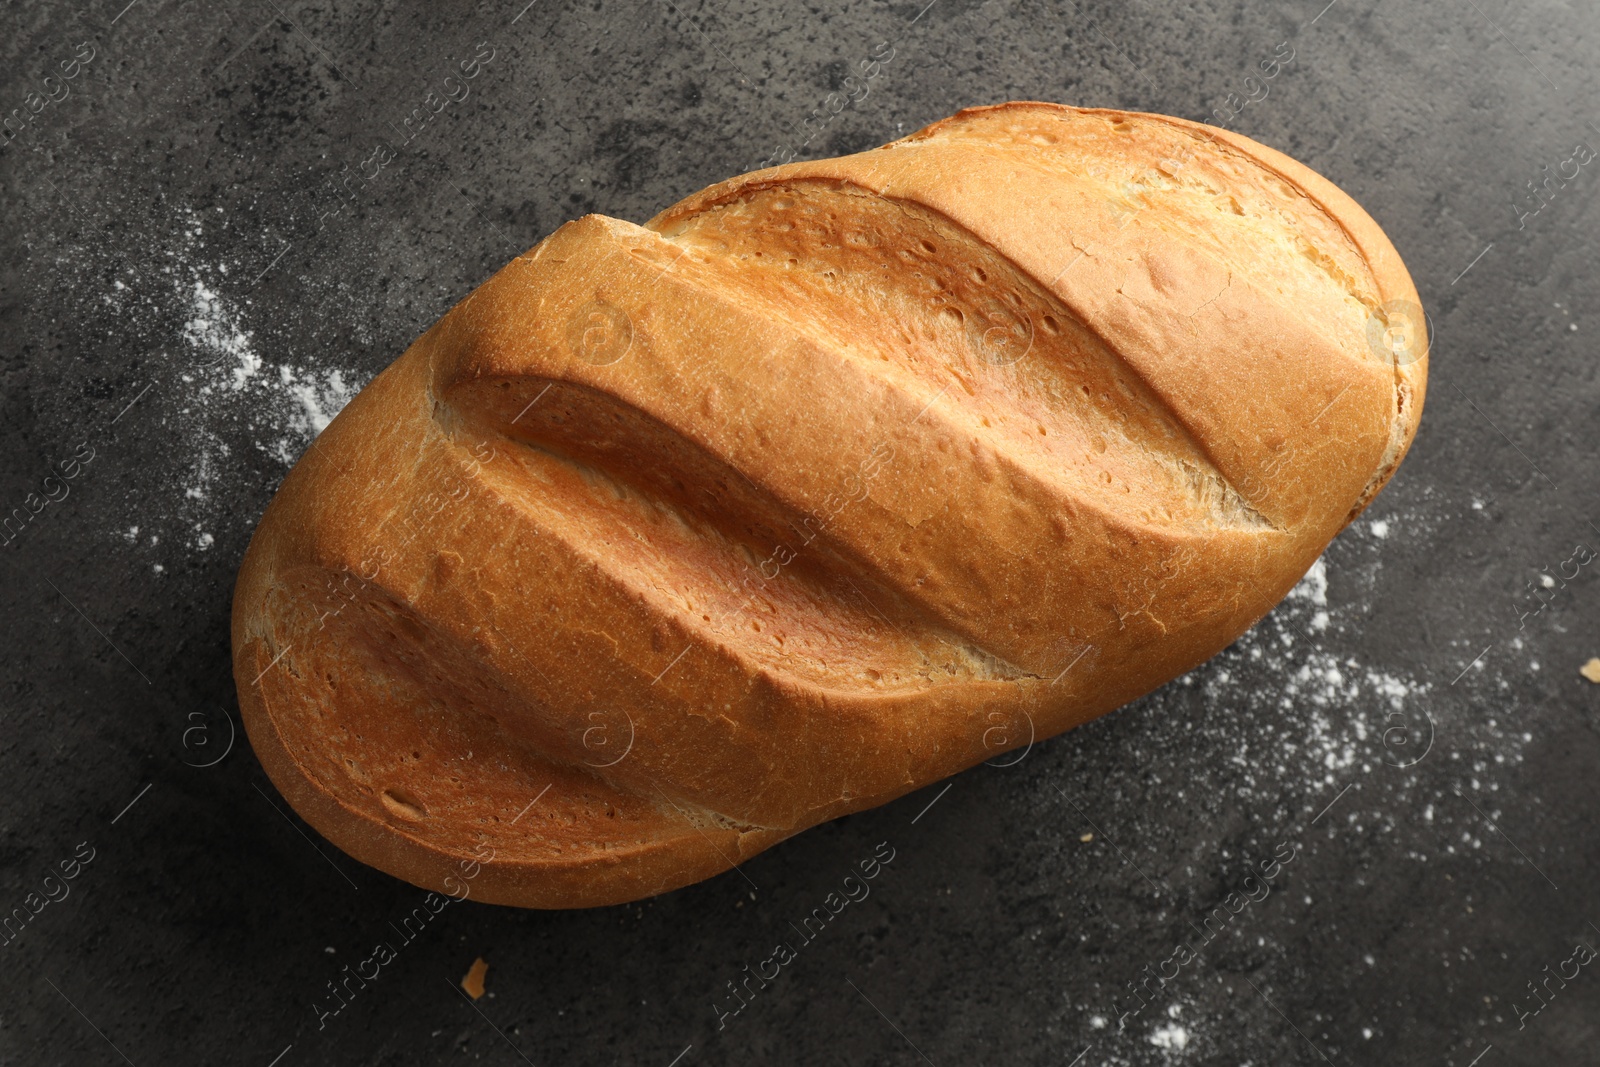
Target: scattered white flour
[(232, 383), (215, 332), (217, 342), (1307, 729), (1171, 1037), (1314, 587), (202, 474), (1315, 714), (317, 402)]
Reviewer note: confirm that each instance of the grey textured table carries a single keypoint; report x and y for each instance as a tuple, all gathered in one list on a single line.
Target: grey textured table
[(207, 250)]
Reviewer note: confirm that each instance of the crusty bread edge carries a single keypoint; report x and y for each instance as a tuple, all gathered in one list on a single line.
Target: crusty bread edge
[(1393, 280)]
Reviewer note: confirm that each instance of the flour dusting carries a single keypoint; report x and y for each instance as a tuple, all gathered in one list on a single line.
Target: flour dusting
[(1306, 731), (1314, 588), (317, 401), (238, 385), (214, 331), (1171, 1036)]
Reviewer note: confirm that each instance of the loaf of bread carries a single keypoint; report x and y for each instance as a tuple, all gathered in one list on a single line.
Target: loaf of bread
[(836, 478)]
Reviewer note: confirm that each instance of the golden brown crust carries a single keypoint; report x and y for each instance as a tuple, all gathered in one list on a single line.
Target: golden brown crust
[(834, 479)]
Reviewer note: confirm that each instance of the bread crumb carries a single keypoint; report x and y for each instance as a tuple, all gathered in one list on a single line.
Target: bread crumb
[(1086, 838), (1591, 670), (473, 982)]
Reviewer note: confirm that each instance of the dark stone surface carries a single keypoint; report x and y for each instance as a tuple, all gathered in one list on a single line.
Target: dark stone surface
[(167, 222)]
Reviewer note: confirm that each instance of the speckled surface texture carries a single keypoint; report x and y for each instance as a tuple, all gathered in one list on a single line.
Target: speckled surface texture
[(219, 225)]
